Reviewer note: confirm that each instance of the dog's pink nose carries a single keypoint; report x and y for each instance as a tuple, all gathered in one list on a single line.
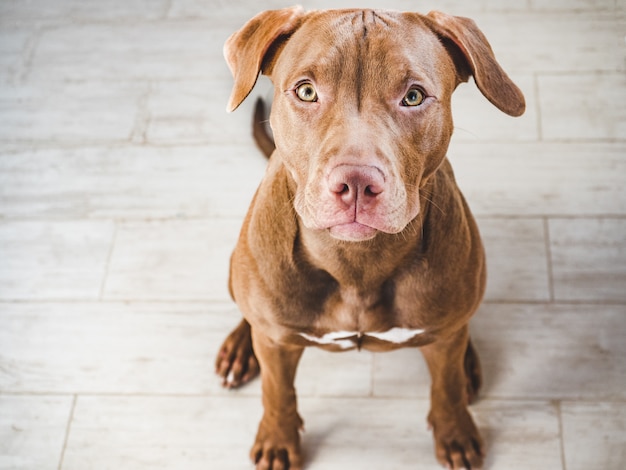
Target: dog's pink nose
[(352, 183)]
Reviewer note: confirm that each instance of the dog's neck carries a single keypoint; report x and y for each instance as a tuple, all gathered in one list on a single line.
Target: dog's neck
[(364, 263)]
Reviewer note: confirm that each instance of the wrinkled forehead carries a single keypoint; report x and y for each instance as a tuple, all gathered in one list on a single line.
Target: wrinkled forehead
[(379, 44)]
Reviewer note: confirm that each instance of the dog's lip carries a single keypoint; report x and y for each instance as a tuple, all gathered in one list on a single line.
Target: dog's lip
[(353, 232)]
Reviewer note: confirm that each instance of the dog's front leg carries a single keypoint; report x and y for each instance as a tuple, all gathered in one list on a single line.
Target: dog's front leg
[(457, 441), (277, 445)]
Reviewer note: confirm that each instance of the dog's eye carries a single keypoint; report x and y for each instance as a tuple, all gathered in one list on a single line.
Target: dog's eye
[(306, 92), (413, 97)]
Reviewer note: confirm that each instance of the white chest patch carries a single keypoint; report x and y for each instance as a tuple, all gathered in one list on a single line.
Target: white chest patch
[(396, 335), (349, 339), (343, 339)]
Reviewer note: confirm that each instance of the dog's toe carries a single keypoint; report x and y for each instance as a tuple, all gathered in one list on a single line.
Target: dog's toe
[(277, 445), (275, 460), (270, 458), (236, 362), (457, 443)]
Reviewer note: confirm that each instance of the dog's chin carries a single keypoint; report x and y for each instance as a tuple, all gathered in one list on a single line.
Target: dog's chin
[(352, 232)]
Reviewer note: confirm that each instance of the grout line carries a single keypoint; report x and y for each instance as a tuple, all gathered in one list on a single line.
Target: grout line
[(586, 72), (256, 394), (119, 144), (561, 434), (560, 302), (67, 432), (107, 265), (150, 220), (123, 301), (549, 216), (549, 267)]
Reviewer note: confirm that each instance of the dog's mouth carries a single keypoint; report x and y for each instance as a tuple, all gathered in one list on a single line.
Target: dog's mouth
[(352, 232), (358, 218)]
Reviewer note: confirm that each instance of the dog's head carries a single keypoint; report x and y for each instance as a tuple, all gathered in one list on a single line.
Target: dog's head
[(361, 114)]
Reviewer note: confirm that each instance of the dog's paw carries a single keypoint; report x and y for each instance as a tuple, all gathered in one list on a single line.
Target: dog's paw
[(236, 362), (458, 444), (277, 447)]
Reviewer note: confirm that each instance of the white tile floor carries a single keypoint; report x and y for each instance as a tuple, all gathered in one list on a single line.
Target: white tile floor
[(122, 186)]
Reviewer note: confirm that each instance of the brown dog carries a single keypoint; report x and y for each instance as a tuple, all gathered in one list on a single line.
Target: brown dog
[(358, 236)]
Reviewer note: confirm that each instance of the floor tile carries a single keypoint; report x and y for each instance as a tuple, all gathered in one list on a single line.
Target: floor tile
[(476, 119), (506, 6), (162, 433), (68, 112), (528, 351), (53, 260), (367, 434), (32, 431), (558, 41), (388, 433), (193, 432), (517, 264), (113, 347), (594, 115), (129, 182), (172, 260), (184, 112), (148, 51), (551, 351), (16, 10), (243, 11), (525, 179), (361, 433), (589, 259), (519, 434), (594, 435), (577, 5), (594, 38), (149, 348), (145, 348), (401, 373), (322, 373), (13, 45)]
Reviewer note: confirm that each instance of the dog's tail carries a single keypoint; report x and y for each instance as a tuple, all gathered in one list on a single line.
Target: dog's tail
[(262, 137)]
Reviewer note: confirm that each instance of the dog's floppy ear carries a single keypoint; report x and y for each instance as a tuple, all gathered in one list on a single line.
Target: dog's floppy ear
[(491, 80), (246, 49)]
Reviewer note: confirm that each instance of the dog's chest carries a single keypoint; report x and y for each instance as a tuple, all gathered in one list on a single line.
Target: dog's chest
[(360, 319)]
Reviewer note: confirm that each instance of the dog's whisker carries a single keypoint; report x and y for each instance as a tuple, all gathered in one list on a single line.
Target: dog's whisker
[(467, 131)]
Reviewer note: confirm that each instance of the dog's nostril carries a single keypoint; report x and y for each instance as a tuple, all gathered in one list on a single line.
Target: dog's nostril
[(341, 188), (371, 191)]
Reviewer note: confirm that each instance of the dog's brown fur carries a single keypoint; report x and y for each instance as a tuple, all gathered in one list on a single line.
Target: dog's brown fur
[(358, 227)]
